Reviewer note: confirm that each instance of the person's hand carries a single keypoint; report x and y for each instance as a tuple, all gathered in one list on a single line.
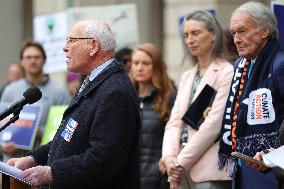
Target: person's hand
[(173, 185), (22, 163), (162, 166), (174, 170), (38, 176), (259, 156), (9, 148)]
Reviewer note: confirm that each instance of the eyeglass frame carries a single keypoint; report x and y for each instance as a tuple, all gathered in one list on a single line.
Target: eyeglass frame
[(30, 57), (69, 39)]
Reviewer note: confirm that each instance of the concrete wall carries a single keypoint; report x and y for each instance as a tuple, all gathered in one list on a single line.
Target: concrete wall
[(15, 27), (157, 22), (173, 50), (149, 13)]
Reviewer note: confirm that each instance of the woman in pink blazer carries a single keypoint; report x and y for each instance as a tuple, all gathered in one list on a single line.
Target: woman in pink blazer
[(190, 155)]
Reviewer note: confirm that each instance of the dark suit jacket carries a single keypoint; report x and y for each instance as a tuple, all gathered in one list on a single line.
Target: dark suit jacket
[(103, 151), (281, 133)]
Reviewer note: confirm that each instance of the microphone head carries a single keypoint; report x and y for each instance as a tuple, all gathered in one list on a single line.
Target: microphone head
[(32, 95)]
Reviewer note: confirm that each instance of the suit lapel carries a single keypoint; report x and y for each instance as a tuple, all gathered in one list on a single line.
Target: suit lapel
[(92, 85), (208, 78), (188, 87)]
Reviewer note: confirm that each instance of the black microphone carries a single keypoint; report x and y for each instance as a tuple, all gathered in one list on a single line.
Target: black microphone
[(31, 95)]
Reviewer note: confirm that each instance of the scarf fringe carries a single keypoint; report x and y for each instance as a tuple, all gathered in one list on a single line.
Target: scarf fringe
[(229, 163), (249, 146)]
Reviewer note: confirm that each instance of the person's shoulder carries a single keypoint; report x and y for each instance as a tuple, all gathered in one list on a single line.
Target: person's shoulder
[(279, 59), (16, 85), (278, 63), (224, 64), (56, 85), (56, 89), (223, 67), (14, 90), (189, 72)]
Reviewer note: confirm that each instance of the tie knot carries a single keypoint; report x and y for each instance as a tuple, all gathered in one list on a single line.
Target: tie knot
[(84, 84)]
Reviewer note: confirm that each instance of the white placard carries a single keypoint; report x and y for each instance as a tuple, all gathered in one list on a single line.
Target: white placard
[(122, 19), (51, 31)]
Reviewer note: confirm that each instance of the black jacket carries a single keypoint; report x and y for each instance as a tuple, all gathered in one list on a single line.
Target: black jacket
[(281, 133), (152, 133), (103, 151), (281, 138)]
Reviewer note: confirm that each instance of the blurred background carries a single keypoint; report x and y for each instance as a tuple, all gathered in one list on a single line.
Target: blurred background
[(133, 22)]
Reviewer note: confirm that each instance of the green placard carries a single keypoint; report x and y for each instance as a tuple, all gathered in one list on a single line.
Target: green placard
[(53, 121)]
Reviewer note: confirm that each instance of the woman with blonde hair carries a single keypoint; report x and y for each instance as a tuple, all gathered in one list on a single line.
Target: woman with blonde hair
[(157, 94)]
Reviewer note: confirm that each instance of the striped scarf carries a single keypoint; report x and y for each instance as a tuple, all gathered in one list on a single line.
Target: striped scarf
[(236, 105), (250, 119)]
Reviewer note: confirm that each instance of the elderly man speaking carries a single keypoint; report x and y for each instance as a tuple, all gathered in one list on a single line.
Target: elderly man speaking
[(96, 145), (255, 107)]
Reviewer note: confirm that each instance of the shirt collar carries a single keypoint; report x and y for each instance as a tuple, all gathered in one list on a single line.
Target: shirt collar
[(99, 69)]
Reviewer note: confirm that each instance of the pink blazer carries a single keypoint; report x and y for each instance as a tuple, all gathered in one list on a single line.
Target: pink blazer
[(200, 155)]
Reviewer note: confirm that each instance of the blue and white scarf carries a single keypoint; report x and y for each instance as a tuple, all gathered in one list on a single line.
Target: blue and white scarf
[(257, 118)]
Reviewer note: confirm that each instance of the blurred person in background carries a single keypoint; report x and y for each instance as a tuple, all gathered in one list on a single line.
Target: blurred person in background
[(73, 80), (190, 152), (255, 107), (156, 95), (124, 55), (15, 72), (230, 50), (33, 57)]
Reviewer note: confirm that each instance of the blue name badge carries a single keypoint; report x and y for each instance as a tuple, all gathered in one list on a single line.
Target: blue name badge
[(69, 130)]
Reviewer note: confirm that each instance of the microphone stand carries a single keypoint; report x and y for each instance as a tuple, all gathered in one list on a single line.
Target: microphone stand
[(12, 120), (15, 117), (6, 178)]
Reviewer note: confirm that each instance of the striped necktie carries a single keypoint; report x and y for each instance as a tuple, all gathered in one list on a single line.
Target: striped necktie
[(84, 84)]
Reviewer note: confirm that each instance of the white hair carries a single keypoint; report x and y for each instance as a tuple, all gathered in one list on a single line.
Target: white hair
[(261, 14), (100, 31)]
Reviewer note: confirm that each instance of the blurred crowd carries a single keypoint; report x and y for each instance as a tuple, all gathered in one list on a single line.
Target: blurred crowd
[(231, 100)]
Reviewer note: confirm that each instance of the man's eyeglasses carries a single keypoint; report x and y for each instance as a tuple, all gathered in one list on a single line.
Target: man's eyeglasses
[(74, 39), (30, 57)]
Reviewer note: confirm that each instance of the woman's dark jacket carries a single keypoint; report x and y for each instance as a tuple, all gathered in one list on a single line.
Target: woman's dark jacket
[(152, 133)]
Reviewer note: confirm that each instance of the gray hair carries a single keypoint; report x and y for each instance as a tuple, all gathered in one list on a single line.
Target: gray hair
[(262, 16), (211, 24), (100, 31)]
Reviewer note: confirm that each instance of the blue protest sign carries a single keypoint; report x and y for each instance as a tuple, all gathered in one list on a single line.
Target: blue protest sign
[(23, 131)]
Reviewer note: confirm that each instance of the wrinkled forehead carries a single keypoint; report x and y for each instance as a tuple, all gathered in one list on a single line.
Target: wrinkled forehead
[(78, 30), (242, 19), (194, 24), (89, 27)]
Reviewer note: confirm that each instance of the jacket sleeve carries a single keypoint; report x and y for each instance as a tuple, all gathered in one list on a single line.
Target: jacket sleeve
[(281, 133), (211, 127), (113, 135), (278, 70), (40, 154), (174, 127)]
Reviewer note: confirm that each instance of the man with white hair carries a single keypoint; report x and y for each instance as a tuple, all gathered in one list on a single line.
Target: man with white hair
[(255, 107), (96, 145)]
